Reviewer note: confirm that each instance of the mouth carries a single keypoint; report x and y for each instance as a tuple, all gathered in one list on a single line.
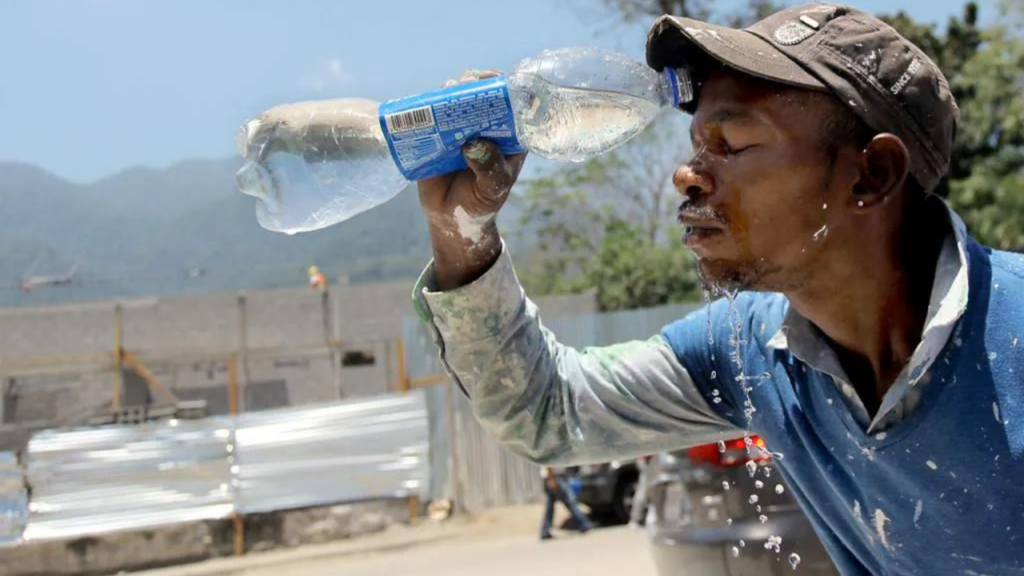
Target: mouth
[(698, 233)]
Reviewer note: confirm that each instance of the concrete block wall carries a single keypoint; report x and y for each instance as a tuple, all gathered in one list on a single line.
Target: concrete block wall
[(56, 363)]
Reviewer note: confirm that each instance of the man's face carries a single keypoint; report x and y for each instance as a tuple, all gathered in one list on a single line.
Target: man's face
[(760, 193)]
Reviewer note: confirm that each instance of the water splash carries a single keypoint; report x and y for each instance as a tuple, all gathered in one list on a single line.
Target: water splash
[(774, 544)]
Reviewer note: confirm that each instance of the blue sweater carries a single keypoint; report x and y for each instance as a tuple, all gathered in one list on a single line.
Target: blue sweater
[(941, 492)]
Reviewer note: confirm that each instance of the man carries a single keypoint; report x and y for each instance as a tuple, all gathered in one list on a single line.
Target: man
[(556, 489), (638, 509), (874, 345)]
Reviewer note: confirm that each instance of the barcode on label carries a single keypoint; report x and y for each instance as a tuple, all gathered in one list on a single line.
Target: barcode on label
[(411, 120)]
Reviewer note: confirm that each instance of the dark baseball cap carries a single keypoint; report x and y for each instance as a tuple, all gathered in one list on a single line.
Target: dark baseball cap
[(885, 79)]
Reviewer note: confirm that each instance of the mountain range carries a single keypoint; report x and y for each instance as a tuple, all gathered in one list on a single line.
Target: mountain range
[(183, 229)]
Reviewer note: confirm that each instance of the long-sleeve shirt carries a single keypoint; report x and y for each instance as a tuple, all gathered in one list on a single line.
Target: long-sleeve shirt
[(946, 447)]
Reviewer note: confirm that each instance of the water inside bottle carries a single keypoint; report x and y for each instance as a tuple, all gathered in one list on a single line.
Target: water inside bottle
[(312, 167), (574, 124)]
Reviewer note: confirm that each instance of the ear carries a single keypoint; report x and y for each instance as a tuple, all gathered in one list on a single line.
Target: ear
[(884, 166)]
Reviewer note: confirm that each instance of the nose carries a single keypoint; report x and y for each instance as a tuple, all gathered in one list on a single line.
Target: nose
[(692, 182)]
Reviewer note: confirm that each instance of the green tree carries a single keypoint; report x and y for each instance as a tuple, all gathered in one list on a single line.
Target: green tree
[(586, 218), (629, 271)]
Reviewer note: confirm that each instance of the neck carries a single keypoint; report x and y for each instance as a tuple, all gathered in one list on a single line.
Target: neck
[(871, 300)]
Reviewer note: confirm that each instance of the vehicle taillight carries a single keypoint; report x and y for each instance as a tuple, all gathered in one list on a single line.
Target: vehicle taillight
[(735, 453)]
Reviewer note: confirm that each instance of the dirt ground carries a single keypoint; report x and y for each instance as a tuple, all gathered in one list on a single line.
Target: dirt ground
[(500, 542)]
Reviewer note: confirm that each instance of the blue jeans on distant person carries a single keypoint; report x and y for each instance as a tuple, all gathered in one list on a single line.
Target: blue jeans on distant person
[(563, 494)]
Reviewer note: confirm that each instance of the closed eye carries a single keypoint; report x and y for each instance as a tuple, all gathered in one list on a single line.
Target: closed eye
[(730, 151)]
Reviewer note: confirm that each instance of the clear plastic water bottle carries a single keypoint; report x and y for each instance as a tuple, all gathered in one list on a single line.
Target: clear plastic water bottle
[(314, 164)]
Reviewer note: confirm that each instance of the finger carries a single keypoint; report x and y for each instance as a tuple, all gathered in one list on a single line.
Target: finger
[(494, 173)]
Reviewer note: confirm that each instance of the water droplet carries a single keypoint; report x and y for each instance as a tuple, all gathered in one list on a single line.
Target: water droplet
[(762, 518), (714, 375), (860, 203), (992, 356), (758, 507), (714, 392), (728, 521), (932, 465), (743, 543), (721, 446), (753, 498), (735, 552), (725, 485), (758, 484), (751, 467), (767, 472), (794, 560), (779, 488), (824, 206), (717, 400), (774, 543)]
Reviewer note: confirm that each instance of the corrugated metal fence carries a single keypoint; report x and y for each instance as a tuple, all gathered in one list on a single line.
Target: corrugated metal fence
[(486, 474), (99, 480)]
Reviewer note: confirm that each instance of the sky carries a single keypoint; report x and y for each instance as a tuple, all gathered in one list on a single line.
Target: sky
[(91, 87)]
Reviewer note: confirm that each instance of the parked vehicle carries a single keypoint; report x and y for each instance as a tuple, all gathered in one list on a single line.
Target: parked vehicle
[(608, 489), (710, 516)]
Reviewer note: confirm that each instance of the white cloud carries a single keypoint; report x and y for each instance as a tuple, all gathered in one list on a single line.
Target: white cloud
[(330, 75)]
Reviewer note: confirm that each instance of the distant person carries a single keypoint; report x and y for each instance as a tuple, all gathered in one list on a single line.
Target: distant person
[(639, 508), (557, 490), (317, 280)]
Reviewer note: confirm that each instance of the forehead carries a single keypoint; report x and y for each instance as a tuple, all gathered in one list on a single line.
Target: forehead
[(730, 96)]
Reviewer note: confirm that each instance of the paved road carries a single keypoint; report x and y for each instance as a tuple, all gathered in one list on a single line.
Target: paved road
[(604, 552)]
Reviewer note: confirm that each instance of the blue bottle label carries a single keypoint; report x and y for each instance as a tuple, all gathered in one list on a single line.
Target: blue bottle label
[(425, 133)]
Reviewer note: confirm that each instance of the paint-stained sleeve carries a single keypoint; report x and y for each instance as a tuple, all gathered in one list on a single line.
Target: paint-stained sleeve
[(552, 403)]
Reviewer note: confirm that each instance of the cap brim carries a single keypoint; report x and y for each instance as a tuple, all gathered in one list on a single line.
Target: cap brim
[(672, 39)]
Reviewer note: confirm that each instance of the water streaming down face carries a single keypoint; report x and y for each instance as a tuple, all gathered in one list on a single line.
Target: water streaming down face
[(737, 341)]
